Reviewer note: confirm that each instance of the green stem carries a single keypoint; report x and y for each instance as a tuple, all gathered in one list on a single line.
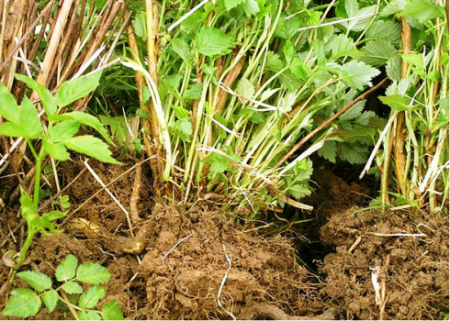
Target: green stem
[(26, 246), (37, 176)]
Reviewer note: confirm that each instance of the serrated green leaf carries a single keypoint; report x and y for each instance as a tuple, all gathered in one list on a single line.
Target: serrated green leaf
[(91, 146), (257, 118), (48, 101), (50, 299), (22, 303), (364, 118), (39, 281), (112, 311), (250, 7), (92, 273), (423, 10), (182, 127), (357, 74), (360, 17), (56, 150), (29, 120), (342, 46), (211, 42), (85, 119), (72, 90), (416, 60), (193, 92), (12, 130), (354, 111), (8, 106), (273, 62), (245, 88), (230, 4), (394, 68), (91, 315), (63, 130), (181, 47), (67, 268), (286, 29), (298, 191), (396, 102), (218, 163), (393, 7), (377, 52), (91, 297), (354, 153), (328, 151), (387, 30), (72, 288)]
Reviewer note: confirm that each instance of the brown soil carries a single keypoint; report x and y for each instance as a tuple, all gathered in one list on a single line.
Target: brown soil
[(184, 257)]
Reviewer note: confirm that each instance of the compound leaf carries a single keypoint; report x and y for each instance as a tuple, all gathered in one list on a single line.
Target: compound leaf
[(22, 303), (39, 281), (211, 41)]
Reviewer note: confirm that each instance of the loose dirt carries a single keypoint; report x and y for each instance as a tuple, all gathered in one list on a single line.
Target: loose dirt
[(197, 264)]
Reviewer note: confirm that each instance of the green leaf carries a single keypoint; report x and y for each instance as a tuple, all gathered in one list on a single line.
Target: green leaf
[(139, 25), (394, 68), (211, 41), (48, 101), (112, 311), (182, 49), (387, 30), (393, 7), (357, 23), (182, 127), (39, 281), (354, 111), (91, 315), (118, 127), (342, 46), (29, 119), (87, 120), (91, 146), (377, 52), (194, 92), (8, 105), (92, 296), (250, 7), (245, 88), (273, 62), (75, 89), (12, 130), (29, 210), (56, 150), (50, 299), (63, 130), (92, 273), (230, 4), (298, 191), (72, 288), (22, 303), (354, 153), (67, 268), (357, 74), (396, 102), (218, 163), (328, 151), (423, 10)]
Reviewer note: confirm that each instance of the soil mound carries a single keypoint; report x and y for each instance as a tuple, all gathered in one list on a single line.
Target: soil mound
[(413, 270)]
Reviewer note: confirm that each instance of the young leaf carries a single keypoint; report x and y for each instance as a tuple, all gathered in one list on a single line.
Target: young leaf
[(56, 150), (118, 127), (72, 288), (12, 130), (67, 268), (250, 7), (29, 211), (194, 92), (298, 191), (91, 146), (211, 41), (29, 119), (22, 303), (87, 120), (396, 102), (8, 106), (358, 74), (90, 299), (422, 10), (50, 299), (92, 273), (245, 88), (75, 89), (91, 315), (111, 311), (63, 130), (48, 101), (39, 281), (328, 151)]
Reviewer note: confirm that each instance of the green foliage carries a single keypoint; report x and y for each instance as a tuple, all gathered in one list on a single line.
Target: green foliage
[(26, 302), (211, 42)]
